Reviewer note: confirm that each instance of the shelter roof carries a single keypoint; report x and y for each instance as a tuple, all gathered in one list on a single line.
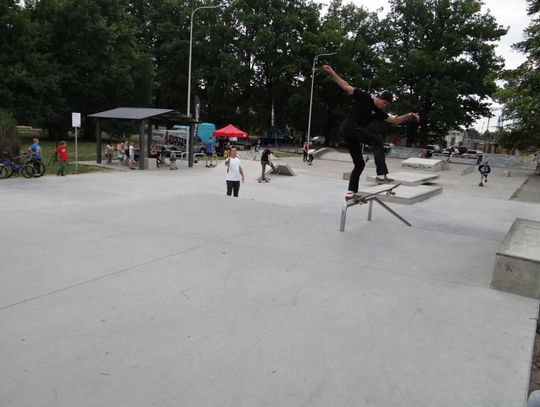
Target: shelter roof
[(141, 113)]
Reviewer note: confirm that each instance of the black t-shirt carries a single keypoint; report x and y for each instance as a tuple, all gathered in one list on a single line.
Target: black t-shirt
[(265, 154), (364, 110)]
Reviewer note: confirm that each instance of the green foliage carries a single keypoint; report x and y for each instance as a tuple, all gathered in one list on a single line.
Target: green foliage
[(441, 60), (521, 92), (9, 141), (63, 56)]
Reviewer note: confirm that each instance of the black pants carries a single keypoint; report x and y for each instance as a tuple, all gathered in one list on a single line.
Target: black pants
[(355, 137), (263, 165), (233, 186)]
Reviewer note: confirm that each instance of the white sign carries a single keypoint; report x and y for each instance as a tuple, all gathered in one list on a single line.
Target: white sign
[(75, 120)]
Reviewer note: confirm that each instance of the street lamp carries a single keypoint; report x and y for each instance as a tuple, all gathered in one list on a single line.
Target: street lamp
[(311, 96), (188, 110)]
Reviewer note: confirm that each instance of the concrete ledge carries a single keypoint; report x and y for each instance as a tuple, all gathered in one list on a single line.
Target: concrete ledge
[(409, 178), (517, 263), (425, 164), (406, 195)]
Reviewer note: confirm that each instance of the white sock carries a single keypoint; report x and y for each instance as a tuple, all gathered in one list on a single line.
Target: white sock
[(380, 176)]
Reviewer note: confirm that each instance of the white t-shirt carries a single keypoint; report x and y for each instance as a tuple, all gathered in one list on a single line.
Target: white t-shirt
[(132, 152), (233, 173)]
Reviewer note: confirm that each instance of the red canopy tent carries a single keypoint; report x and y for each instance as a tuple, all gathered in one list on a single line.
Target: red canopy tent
[(230, 131)]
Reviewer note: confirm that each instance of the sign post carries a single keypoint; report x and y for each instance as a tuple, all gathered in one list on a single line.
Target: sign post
[(76, 123)]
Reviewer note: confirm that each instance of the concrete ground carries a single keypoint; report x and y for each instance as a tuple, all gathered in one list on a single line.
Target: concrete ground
[(152, 288)]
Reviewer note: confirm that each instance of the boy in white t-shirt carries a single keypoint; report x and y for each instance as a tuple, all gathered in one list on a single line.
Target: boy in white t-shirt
[(234, 173)]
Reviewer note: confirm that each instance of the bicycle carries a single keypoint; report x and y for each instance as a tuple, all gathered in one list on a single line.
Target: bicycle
[(9, 167), (39, 167)]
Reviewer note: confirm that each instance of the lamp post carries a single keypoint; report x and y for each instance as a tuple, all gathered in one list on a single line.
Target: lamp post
[(311, 96), (188, 110)]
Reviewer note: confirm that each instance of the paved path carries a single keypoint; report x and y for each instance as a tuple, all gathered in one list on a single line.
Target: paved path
[(152, 288)]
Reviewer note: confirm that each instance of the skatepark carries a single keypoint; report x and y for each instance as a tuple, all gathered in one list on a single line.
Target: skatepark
[(153, 288)]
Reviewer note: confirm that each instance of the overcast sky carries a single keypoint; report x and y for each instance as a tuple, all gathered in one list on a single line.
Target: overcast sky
[(511, 14)]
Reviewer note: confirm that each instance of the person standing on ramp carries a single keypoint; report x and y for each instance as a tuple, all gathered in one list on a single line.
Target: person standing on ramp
[(355, 133)]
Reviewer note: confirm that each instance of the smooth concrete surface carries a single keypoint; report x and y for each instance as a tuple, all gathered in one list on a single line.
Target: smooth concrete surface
[(517, 262), (425, 164), (153, 288)]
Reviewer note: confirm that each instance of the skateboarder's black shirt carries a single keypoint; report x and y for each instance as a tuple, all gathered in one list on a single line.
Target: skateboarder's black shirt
[(364, 110), (265, 154)]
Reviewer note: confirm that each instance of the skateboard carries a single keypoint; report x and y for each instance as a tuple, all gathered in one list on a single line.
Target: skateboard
[(265, 180), (363, 198)]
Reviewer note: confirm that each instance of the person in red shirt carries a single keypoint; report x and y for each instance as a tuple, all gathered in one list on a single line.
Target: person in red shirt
[(62, 155)]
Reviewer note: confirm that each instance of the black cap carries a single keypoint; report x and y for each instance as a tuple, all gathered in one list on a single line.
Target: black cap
[(386, 95)]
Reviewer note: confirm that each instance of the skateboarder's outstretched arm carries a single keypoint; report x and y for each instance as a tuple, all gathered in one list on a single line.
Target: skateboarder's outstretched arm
[(403, 118), (342, 83)]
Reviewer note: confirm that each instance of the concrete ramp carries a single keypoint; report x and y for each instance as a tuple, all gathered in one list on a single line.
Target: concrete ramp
[(282, 169), (517, 263), (404, 194), (409, 178)]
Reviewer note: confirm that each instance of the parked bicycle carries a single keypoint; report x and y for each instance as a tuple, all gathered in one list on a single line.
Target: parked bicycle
[(39, 167), (16, 166)]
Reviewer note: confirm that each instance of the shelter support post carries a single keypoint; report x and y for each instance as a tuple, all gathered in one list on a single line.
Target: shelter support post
[(98, 142), (191, 138), (149, 137), (142, 149)]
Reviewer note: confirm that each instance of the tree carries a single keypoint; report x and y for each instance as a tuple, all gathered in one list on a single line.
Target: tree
[(29, 77), (9, 141), (521, 93), (354, 32), (441, 60), (100, 67)]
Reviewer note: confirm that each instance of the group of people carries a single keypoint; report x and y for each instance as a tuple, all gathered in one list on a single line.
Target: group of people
[(309, 153), (125, 153), (354, 129)]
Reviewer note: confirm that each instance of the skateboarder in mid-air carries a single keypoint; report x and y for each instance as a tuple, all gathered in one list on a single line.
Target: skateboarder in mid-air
[(355, 133)]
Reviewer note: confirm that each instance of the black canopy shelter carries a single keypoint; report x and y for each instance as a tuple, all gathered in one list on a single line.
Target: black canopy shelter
[(145, 117)]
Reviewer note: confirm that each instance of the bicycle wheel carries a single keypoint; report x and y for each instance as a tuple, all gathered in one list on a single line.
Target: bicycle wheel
[(5, 172), (39, 168), (28, 171)]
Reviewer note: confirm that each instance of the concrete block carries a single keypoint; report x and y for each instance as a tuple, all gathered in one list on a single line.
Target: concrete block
[(425, 164), (409, 178), (517, 262), (150, 164)]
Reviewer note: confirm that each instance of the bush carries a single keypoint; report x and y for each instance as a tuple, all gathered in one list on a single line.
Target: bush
[(9, 140)]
